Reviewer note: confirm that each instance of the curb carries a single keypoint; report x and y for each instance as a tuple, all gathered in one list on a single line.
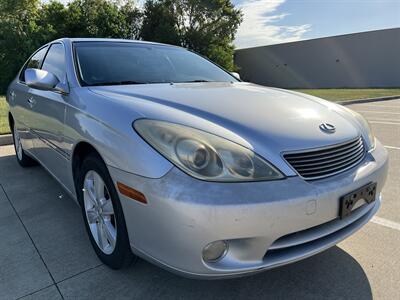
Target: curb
[(348, 102), (6, 139)]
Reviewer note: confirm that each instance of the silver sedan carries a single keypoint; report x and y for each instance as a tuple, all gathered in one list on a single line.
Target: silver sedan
[(175, 160)]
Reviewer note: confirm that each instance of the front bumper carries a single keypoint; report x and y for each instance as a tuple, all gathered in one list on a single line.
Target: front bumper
[(266, 224)]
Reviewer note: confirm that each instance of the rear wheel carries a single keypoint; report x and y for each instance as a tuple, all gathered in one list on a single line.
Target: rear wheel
[(23, 159), (102, 214)]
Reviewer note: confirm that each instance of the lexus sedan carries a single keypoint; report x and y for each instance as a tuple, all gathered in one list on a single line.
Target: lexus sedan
[(173, 159)]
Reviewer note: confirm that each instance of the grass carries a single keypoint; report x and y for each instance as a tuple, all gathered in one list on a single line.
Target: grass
[(349, 94), (3, 116), (329, 94)]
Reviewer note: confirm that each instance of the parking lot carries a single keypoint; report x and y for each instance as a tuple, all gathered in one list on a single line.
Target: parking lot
[(45, 252)]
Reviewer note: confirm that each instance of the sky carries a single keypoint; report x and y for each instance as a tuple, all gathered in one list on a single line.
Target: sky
[(267, 22)]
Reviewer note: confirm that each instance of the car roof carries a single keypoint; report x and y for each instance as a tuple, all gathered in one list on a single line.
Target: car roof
[(72, 40)]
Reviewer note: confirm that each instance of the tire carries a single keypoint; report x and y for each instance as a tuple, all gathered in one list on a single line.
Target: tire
[(102, 214), (23, 159)]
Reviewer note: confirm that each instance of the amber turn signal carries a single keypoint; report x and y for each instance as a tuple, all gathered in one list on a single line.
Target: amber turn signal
[(131, 193)]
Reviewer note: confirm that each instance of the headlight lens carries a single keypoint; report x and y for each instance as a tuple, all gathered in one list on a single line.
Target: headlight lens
[(204, 155), (367, 131)]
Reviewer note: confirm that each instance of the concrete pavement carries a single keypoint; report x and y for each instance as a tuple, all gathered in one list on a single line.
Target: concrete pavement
[(45, 253)]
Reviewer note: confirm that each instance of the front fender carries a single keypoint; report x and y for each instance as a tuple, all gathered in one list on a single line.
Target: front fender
[(108, 128)]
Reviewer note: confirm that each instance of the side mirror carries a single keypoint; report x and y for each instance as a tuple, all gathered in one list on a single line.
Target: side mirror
[(43, 80), (236, 75)]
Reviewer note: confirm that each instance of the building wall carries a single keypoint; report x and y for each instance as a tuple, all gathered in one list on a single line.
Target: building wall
[(368, 59)]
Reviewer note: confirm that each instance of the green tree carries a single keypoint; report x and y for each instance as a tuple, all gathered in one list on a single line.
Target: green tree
[(25, 25), (19, 36), (205, 26), (160, 24), (102, 18), (54, 16)]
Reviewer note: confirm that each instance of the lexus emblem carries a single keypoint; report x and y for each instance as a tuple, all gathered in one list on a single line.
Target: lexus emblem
[(327, 128)]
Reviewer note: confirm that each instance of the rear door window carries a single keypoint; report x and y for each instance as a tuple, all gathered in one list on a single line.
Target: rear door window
[(34, 63)]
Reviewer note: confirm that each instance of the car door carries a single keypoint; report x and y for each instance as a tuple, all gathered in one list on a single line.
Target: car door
[(19, 100), (49, 109)]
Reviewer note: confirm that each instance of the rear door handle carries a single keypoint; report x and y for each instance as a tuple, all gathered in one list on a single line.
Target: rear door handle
[(31, 102)]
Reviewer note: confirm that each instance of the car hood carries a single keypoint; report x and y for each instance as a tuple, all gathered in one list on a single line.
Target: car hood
[(262, 117)]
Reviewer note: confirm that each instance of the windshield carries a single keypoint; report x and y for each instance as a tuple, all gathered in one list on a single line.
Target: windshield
[(113, 63)]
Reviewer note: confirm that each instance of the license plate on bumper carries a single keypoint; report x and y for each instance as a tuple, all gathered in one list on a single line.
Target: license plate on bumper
[(348, 202)]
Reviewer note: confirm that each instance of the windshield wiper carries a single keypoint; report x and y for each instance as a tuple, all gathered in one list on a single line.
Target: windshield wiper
[(117, 83), (196, 80)]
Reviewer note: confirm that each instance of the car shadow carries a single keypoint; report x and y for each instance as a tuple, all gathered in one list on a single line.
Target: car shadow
[(333, 274)]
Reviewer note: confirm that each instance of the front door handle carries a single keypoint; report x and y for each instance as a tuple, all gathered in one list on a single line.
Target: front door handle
[(12, 96), (31, 102)]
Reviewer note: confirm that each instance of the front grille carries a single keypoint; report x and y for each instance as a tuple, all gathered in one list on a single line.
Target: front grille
[(328, 161)]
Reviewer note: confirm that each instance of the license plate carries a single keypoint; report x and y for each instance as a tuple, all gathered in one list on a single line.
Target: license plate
[(350, 201)]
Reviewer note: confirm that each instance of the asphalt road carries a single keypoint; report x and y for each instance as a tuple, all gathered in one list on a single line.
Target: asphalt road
[(45, 253)]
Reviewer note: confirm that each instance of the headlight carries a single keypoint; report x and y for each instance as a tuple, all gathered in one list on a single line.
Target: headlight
[(367, 131), (204, 155)]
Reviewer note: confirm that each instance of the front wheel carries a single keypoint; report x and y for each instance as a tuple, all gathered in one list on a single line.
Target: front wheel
[(102, 214), (23, 159)]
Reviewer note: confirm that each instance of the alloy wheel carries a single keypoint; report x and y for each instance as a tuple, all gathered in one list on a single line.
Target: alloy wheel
[(99, 212), (18, 145)]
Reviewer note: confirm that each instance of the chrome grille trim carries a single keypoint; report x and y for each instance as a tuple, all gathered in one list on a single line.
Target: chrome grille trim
[(334, 158), (325, 156), (330, 165), (324, 162)]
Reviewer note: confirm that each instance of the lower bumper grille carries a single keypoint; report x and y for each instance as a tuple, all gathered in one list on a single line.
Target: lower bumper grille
[(306, 242)]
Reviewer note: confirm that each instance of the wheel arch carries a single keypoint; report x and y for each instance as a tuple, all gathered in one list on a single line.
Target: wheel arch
[(81, 150), (10, 121)]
